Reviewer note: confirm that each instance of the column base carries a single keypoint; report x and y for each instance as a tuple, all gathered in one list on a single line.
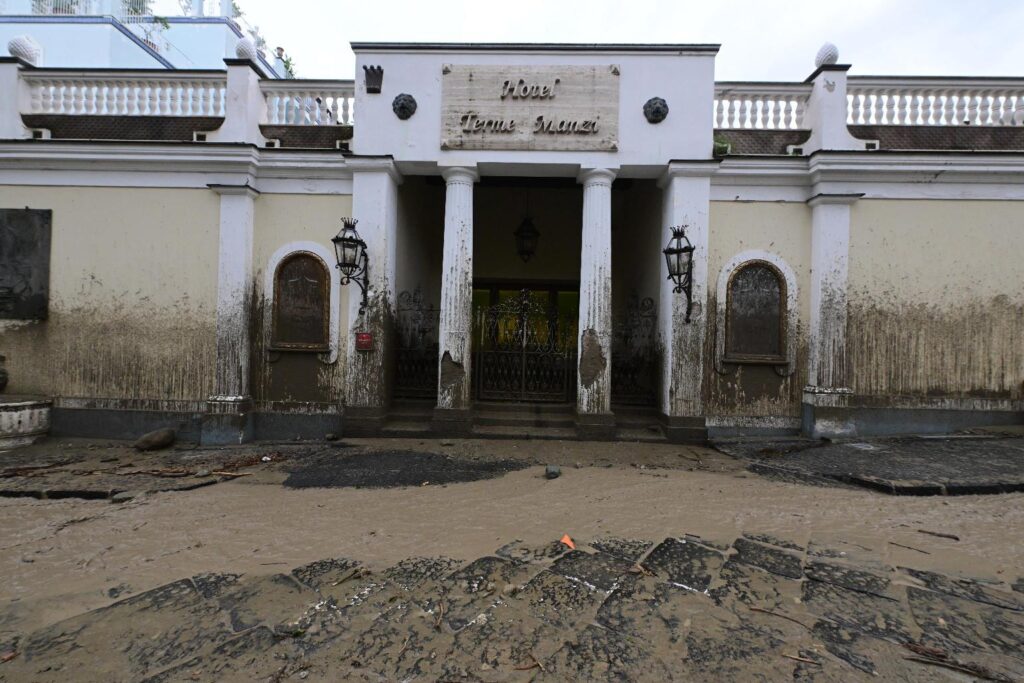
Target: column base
[(678, 429), (595, 426), (452, 422), (227, 421), (365, 421)]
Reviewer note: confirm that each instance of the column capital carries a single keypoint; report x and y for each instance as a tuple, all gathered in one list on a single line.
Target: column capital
[(702, 168), (824, 198), (460, 174), (245, 189), (596, 176), (374, 164)]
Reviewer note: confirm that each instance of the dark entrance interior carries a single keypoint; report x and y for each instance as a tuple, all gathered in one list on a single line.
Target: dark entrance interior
[(524, 341)]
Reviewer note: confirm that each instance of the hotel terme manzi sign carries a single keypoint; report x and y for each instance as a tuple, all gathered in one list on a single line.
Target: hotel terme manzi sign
[(558, 108)]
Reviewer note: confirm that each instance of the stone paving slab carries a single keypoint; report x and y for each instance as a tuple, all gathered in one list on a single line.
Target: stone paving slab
[(547, 615), (912, 466)]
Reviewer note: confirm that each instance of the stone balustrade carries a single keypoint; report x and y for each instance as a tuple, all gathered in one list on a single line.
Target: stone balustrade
[(871, 100), (763, 106), (898, 101), (125, 93), (308, 102)]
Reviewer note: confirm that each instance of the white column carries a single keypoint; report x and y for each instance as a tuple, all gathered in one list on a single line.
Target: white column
[(594, 372), (375, 206), (685, 201), (14, 99), (830, 258), (227, 419), (826, 398), (827, 111), (245, 108), (456, 325)]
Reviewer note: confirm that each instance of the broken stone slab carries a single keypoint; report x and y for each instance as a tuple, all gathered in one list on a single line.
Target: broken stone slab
[(771, 559), (966, 588), (685, 563), (597, 570), (851, 578), (155, 440)]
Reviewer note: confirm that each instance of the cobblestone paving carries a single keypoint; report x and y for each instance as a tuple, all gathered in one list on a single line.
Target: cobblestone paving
[(902, 466), (761, 608)]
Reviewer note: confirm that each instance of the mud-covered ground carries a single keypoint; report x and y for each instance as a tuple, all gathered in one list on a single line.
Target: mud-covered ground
[(687, 567)]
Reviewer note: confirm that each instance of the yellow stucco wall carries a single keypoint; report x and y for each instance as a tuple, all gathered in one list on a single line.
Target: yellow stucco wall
[(783, 229), (133, 286), (295, 377), (937, 298)]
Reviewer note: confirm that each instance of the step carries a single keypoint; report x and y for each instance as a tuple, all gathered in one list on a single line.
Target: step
[(523, 420), (543, 433), (530, 408), (640, 435), (406, 428)]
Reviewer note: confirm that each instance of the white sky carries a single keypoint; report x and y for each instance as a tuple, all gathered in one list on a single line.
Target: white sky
[(761, 39)]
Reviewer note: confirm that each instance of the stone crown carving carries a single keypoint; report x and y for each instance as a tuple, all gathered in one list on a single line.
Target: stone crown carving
[(374, 79), (404, 106), (26, 49), (655, 110), (828, 54)]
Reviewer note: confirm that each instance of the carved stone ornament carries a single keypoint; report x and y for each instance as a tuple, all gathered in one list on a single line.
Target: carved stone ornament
[(655, 110), (374, 76), (828, 54), (246, 49), (26, 49), (404, 106)]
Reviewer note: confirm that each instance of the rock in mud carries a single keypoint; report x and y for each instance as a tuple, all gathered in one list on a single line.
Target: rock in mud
[(552, 471), (155, 440)]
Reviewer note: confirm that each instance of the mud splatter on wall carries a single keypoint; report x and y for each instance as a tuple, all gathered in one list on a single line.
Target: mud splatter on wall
[(133, 283), (937, 299), (783, 229)]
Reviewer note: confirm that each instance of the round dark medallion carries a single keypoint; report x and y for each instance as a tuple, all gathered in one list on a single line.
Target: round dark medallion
[(404, 106), (655, 110)]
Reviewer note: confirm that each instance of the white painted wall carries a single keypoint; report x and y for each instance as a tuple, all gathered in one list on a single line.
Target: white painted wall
[(685, 81), (87, 46)]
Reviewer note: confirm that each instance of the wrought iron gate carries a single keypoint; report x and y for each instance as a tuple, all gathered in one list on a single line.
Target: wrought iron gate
[(634, 353), (526, 351), (416, 329)]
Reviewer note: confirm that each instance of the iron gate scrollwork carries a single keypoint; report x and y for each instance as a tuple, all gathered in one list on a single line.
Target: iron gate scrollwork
[(417, 346), (526, 351), (634, 353)]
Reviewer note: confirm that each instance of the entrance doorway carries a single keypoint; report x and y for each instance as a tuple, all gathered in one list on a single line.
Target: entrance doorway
[(524, 341)]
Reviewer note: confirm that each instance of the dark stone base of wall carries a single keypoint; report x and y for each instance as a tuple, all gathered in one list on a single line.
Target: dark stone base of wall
[(692, 430), (364, 422), (448, 422), (854, 421), (99, 423), (290, 426), (595, 427)]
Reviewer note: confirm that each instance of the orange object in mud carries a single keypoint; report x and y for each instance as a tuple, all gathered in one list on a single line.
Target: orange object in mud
[(568, 541)]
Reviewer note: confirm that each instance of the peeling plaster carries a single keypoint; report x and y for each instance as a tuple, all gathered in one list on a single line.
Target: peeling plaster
[(592, 359)]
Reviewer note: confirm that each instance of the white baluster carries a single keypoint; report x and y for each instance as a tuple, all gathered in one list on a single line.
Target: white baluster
[(38, 96), (336, 100), (855, 108), (915, 109), (745, 121), (961, 109), (801, 112), (719, 112), (984, 109), (67, 105)]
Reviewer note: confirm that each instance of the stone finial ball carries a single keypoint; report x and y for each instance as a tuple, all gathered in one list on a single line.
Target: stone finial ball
[(828, 54), (246, 49), (26, 49)]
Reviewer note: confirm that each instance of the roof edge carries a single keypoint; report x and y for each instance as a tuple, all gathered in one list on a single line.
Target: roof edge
[(678, 48)]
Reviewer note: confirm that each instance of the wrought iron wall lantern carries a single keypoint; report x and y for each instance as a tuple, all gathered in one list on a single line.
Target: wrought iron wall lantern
[(527, 236), (352, 259), (679, 257)]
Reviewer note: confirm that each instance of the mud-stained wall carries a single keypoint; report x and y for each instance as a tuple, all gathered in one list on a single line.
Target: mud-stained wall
[(937, 298), (557, 213), (637, 240), (133, 286), (294, 379), (783, 229), (418, 254)]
